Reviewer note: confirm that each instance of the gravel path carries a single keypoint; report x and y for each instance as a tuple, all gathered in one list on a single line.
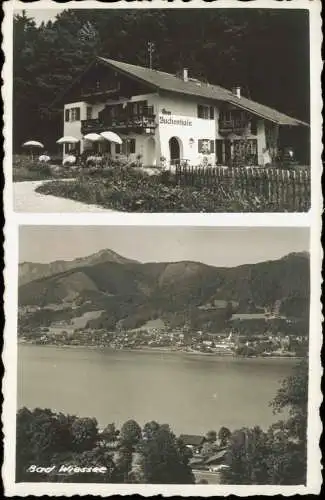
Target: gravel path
[(27, 200)]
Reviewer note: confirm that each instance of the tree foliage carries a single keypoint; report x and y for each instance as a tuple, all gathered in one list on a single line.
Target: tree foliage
[(278, 456), (164, 458), (218, 45), (130, 433)]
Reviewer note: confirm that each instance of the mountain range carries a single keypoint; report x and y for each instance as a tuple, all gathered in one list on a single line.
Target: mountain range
[(29, 271), (130, 293)]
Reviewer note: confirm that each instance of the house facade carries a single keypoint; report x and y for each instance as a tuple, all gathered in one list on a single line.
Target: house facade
[(165, 119)]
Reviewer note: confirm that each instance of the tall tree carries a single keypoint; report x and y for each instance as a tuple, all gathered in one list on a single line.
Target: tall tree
[(164, 458), (277, 456)]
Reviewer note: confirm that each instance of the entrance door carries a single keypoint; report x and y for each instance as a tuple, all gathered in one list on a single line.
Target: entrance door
[(174, 151)]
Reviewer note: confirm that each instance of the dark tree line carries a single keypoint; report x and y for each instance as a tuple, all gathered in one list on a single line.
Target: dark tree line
[(47, 439), (264, 51), (279, 455)]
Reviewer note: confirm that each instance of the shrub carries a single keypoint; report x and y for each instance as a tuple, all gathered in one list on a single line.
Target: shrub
[(130, 189)]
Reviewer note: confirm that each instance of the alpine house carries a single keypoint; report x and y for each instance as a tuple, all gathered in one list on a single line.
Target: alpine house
[(168, 118)]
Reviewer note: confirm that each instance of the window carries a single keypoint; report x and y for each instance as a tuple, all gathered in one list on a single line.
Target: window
[(205, 112), (128, 146), (251, 147), (117, 149), (132, 146), (89, 112), (206, 146), (74, 114), (245, 151), (67, 115)]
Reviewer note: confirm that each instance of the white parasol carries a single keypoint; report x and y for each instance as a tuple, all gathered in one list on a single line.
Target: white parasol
[(35, 144), (93, 137), (31, 145), (67, 139), (112, 137)]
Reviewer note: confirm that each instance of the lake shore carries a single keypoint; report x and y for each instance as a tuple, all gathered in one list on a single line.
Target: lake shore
[(161, 350)]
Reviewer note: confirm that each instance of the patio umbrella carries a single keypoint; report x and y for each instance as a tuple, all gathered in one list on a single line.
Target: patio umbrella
[(112, 137), (36, 144), (33, 144), (67, 139), (92, 137)]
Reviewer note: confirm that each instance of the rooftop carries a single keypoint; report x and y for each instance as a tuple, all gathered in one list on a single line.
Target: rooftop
[(191, 440), (172, 83)]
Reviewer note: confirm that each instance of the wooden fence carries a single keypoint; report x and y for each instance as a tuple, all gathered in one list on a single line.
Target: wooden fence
[(284, 189)]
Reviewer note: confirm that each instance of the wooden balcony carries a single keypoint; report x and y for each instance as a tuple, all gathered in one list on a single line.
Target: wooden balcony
[(233, 126), (124, 124)]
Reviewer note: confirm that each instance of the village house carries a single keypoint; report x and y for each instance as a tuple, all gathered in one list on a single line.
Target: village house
[(165, 118), (192, 441)]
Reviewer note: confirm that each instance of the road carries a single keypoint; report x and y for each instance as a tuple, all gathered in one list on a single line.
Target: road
[(27, 200)]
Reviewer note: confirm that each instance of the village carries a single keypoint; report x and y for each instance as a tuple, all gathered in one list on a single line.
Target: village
[(233, 341)]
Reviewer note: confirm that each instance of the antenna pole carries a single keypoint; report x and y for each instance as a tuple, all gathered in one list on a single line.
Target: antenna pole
[(151, 49)]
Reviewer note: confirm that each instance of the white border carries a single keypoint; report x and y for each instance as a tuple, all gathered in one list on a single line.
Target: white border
[(312, 220)]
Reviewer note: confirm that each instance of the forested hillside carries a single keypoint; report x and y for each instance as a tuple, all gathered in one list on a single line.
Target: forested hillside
[(130, 293), (264, 51)]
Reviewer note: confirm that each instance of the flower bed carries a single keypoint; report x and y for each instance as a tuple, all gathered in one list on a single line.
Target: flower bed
[(26, 169), (128, 190)]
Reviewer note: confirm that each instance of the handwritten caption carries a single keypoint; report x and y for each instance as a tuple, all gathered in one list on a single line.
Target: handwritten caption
[(66, 469)]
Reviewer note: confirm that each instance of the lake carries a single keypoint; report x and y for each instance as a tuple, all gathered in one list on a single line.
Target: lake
[(192, 393)]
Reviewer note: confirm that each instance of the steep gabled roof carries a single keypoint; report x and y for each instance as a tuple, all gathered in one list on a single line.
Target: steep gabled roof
[(172, 83)]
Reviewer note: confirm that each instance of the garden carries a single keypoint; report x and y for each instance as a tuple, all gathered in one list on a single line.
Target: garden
[(129, 187), (27, 168), (134, 189)]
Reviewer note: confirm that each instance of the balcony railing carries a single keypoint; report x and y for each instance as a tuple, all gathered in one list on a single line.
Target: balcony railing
[(234, 125), (127, 123)]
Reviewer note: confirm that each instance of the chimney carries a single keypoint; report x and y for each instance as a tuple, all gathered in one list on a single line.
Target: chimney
[(237, 91), (185, 74)]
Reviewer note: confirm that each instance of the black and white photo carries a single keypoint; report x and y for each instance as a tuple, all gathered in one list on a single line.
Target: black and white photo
[(181, 360), (162, 253), (161, 110)]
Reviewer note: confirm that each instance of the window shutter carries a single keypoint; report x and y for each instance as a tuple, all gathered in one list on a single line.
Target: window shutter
[(77, 114), (200, 145), (211, 146), (132, 146), (67, 115), (199, 111), (117, 148), (211, 112)]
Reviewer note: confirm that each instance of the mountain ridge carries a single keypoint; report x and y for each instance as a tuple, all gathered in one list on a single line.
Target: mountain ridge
[(30, 271), (133, 293)]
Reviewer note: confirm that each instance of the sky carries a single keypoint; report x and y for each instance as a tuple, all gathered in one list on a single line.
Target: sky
[(40, 15), (222, 246)]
